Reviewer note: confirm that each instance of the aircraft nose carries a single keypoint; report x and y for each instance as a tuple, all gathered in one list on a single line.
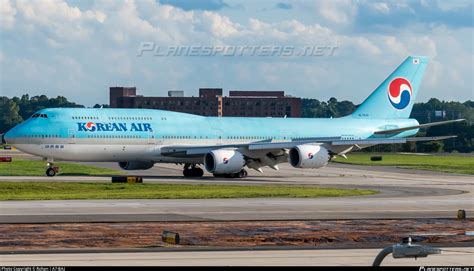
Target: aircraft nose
[(6, 138)]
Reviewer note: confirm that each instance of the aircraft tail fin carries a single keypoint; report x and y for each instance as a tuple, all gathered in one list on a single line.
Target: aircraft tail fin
[(395, 96)]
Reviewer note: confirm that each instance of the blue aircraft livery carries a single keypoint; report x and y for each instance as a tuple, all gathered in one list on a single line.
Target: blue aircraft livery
[(113, 127), (224, 146)]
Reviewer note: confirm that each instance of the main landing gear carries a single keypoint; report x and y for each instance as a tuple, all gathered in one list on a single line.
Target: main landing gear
[(241, 174), (191, 170)]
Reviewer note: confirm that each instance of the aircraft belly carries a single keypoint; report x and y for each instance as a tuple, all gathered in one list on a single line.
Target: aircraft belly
[(93, 153)]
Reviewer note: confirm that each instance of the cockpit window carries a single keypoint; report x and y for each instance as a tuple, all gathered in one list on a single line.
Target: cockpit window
[(39, 116)]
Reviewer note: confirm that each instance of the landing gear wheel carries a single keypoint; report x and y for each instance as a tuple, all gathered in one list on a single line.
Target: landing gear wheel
[(192, 171), (199, 172), (241, 174), (50, 172)]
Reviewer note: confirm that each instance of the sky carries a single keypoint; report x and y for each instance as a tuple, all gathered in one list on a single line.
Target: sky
[(79, 48)]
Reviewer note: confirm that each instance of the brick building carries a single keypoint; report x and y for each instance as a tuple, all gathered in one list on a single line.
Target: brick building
[(211, 102)]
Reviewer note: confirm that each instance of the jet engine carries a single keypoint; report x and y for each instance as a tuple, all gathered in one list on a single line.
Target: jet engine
[(224, 161), (136, 165), (309, 156)]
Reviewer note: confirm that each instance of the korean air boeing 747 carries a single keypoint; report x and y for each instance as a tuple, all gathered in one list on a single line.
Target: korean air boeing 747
[(139, 138)]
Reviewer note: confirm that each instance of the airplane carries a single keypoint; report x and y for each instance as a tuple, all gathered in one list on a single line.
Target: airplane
[(226, 146)]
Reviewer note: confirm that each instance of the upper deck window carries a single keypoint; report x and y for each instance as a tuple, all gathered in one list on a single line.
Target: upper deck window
[(39, 116)]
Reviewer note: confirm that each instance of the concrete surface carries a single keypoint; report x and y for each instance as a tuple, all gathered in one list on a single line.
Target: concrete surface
[(341, 257), (403, 195)]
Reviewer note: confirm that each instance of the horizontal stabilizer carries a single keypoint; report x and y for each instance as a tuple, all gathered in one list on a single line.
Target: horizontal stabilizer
[(398, 130)]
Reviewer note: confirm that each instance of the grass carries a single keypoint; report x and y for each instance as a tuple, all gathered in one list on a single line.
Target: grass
[(21, 167), (443, 163), (69, 191)]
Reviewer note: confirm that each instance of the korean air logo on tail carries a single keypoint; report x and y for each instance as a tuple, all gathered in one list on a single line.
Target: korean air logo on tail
[(399, 92), (90, 126)]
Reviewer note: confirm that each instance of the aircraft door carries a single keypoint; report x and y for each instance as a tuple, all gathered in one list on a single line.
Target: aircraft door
[(71, 136), (218, 137), (151, 138)]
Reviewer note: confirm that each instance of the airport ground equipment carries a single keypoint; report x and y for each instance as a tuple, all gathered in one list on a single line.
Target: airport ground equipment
[(461, 214), (170, 237), (405, 249), (127, 179), (376, 158), (6, 159)]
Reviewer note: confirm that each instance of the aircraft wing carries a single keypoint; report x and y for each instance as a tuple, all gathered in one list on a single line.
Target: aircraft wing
[(425, 125), (329, 142), (191, 150)]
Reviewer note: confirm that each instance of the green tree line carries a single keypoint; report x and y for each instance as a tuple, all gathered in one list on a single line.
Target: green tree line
[(15, 110)]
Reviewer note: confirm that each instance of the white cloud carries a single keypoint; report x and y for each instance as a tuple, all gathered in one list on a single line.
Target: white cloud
[(53, 43), (7, 14), (60, 19), (218, 25), (381, 7), (95, 15), (363, 44), (124, 67), (95, 47), (453, 5), (337, 11), (48, 11), (395, 46)]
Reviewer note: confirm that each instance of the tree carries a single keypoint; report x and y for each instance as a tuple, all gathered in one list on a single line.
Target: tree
[(9, 114), (312, 108), (28, 105)]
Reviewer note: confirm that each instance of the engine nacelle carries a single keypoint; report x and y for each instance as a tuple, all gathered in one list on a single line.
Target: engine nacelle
[(309, 156), (136, 165), (224, 161)]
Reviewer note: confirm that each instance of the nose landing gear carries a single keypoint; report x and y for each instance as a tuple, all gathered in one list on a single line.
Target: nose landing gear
[(191, 170), (51, 171)]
